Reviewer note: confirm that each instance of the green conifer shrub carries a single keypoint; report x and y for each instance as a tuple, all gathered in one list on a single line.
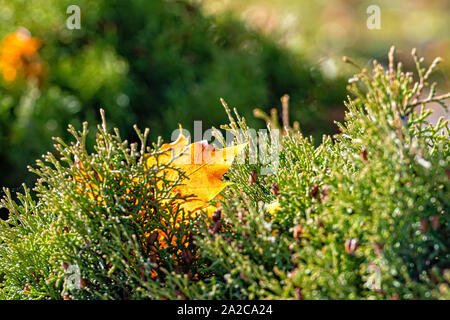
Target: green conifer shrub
[(363, 215)]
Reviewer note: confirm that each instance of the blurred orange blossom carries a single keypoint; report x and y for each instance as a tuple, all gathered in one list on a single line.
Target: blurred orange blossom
[(18, 52)]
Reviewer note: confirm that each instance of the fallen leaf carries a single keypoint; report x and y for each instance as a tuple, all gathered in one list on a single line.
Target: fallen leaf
[(203, 167)]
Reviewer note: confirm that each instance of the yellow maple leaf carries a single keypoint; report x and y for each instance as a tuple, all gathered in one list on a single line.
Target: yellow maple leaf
[(197, 168), (203, 166)]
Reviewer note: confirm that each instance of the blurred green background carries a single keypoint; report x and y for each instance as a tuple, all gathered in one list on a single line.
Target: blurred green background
[(158, 63), (328, 29)]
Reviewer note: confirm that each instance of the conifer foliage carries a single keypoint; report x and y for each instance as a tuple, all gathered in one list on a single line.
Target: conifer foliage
[(363, 215)]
